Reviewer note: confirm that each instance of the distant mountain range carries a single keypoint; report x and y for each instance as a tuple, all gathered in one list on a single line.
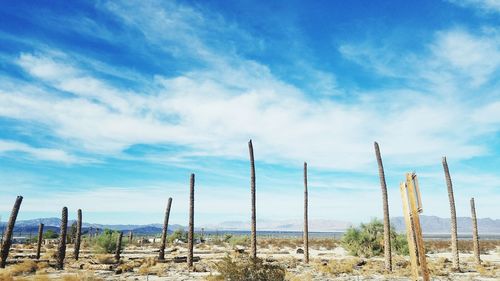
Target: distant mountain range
[(433, 224), (430, 225)]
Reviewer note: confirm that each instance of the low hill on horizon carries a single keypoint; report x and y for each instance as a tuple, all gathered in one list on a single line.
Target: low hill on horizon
[(430, 225)]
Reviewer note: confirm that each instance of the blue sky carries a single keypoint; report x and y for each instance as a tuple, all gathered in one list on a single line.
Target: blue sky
[(108, 106)]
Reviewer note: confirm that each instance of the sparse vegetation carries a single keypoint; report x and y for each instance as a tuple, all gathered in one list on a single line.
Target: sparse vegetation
[(367, 240), (247, 269), (337, 266), (106, 242)]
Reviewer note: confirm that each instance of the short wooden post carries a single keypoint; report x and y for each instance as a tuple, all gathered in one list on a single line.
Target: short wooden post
[(39, 242), (118, 247)]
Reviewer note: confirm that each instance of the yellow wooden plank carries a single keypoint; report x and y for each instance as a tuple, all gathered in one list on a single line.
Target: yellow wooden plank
[(411, 180), (409, 231)]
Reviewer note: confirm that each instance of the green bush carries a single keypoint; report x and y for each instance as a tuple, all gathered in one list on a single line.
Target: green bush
[(50, 234), (239, 240), (178, 234), (106, 242), (248, 269), (368, 240)]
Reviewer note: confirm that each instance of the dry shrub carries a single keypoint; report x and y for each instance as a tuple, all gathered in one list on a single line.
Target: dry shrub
[(127, 267), (40, 277), (372, 267), (465, 246), (401, 266), (49, 254), (146, 266), (105, 259), (247, 269), (439, 267), (279, 243), (290, 262), (326, 243), (298, 277), (25, 267), (157, 269), (488, 269), (85, 276), (338, 267)]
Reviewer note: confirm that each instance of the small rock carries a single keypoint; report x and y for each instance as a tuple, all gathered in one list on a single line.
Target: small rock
[(300, 251), (361, 263), (119, 271)]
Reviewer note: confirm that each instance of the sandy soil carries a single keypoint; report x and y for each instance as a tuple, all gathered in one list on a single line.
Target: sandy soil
[(139, 263)]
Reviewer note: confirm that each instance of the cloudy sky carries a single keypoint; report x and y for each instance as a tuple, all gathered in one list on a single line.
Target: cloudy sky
[(108, 106)]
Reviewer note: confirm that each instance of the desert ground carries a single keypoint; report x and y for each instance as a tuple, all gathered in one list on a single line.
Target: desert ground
[(328, 261)]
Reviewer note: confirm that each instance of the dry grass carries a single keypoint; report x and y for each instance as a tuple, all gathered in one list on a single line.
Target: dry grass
[(49, 254), (337, 267), (298, 277), (488, 269), (246, 268), (25, 267), (85, 276), (105, 259), (147, 266), (282, 243), (464, 246), (439, 267)]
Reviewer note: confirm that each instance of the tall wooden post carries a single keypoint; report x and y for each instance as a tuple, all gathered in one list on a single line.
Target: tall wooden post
[(252, 191), (61, 249), (164, 232), (78, 237), (385, 205), (39, 241), (306, 223), (453, 221), (191, 223), (9, 232), (475, 236)]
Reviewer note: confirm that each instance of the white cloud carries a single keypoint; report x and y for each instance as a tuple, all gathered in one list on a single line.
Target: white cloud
[(214, 111), (45, 154), (454, 60), (476, 57), (489, 6)]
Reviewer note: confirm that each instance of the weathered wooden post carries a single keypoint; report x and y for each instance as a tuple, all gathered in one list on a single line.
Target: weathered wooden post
[(475, 236), (306, 223), (61, 249), (410, 232), (252, 191), (385, 204), (9, 232), (412, 206), (164, 232), (39, 242), (191, 223), (130, 237), (453, 221), (78, 234), (118, 247)]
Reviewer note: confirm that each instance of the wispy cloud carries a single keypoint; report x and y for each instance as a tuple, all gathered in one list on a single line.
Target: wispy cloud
[(489, 6), (38, 153)]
